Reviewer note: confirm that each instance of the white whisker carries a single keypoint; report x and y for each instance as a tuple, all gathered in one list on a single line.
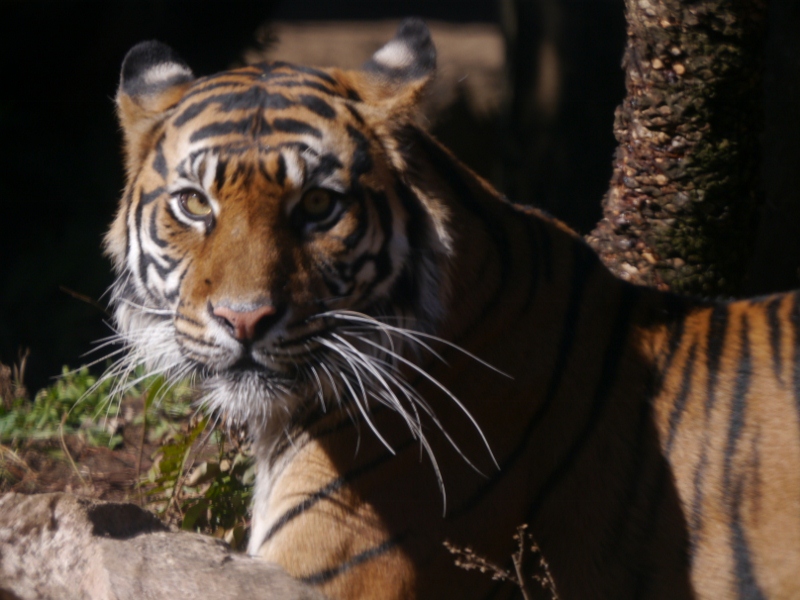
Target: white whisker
[(435, 382), (411, 335)]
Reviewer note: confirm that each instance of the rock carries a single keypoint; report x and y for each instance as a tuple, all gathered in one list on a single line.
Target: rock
[(60, 547)]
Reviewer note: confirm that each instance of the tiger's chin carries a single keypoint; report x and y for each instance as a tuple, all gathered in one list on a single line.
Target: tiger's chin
[(260, 398)]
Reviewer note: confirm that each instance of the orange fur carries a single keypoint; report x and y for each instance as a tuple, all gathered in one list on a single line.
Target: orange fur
[(649, 441)]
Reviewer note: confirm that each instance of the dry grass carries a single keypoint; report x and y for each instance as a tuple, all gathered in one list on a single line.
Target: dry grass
[(530, 566)]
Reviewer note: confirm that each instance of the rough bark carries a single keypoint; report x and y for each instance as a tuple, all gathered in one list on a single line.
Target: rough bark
[(682, 205)]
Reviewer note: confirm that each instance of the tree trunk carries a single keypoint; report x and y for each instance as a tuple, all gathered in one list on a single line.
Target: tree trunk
[(681, 209)]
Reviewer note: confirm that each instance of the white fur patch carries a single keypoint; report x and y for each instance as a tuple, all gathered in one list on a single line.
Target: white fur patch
[(164, 72), (294, 170), (395, 55)]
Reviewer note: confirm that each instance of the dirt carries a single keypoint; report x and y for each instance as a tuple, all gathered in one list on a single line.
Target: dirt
[(42, 465)]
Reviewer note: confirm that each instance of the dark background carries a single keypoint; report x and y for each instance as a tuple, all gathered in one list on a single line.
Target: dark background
[(60, 167)]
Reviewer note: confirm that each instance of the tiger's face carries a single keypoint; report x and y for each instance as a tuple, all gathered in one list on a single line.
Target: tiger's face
[(266, 240)]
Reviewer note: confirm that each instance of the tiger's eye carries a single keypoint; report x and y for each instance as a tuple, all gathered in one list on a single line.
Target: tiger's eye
[(195, 204), (316, 203)]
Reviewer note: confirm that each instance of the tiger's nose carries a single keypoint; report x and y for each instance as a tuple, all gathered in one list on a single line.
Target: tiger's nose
[(246, 325)]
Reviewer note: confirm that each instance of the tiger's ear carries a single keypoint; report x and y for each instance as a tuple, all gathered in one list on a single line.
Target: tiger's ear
[(396, 76), (153, 79)]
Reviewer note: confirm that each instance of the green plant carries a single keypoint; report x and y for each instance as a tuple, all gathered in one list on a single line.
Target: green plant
[(224, 489), (75, 402), (81, 404), (213, 496)]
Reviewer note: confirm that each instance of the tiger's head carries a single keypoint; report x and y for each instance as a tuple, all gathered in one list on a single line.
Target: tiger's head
[(268, 239)]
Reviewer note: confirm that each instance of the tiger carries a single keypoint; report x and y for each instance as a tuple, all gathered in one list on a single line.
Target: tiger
[(419, 360)]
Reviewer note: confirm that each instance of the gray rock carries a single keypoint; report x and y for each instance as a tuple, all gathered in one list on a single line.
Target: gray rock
[(58, 546)]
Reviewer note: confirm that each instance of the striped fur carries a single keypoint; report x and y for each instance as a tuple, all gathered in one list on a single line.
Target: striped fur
[(650, 442)]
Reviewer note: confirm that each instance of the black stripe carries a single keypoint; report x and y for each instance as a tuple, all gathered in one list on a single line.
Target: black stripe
[(746, 582), (335, 287), (300, 147), (382, 260), (695, 517), (356, 115), (409, 289), (253, 126), (794, 318), (738, 402), (296, 127), (280, 174), (775, 334), (717, 330), (179, 316), (361, 161), (173, 216), (608, 376), (326, 575), (287, 81), (159, 161), (243, 172), (278, 64), (715, 343), (329, 489), (153, 229), (237, 147), (318, 106), (201, 86), (179, 335), (328, 163), (127, 205), (148, 197), (676, 316), (172, 296), (581, 271), (355, 236), (253, 97), (144, 260), (219, 176), (679, 406)]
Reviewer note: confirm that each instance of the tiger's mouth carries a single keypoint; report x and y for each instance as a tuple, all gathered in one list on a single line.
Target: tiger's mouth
[(247, 364), (251, 371), (268, 368), (287, 362)]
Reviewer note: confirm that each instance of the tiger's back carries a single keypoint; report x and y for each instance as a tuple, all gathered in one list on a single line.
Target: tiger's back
[(365, 304), (728, 415)]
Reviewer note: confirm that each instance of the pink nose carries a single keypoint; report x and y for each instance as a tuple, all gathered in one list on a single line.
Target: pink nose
[(244, 323)]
